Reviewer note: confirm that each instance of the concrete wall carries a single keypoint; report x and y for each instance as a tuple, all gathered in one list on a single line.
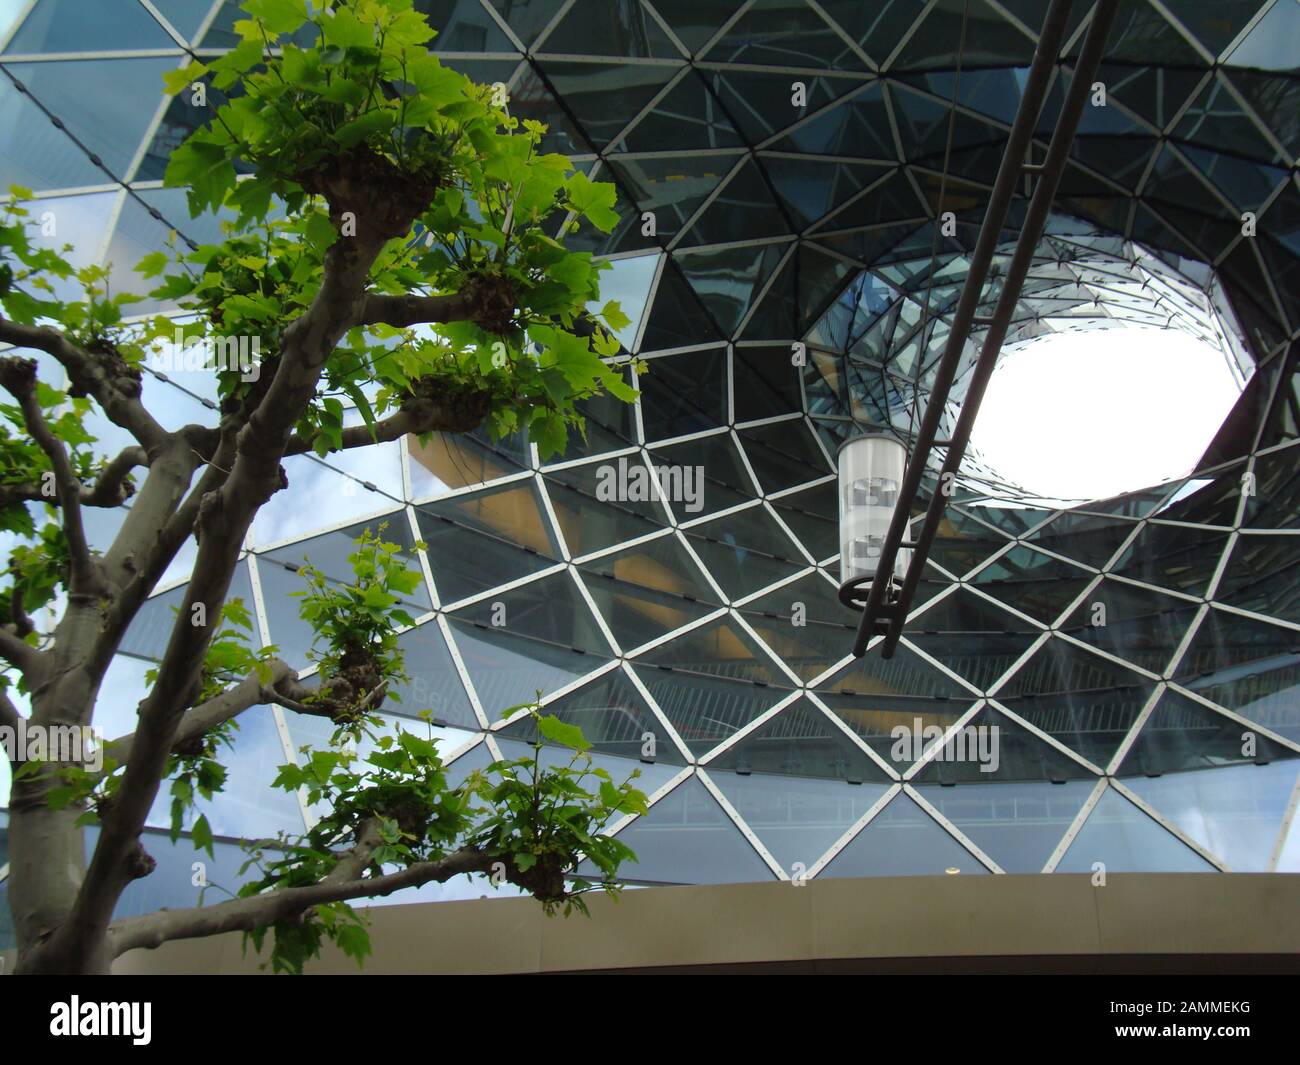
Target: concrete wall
[(1137, 922)]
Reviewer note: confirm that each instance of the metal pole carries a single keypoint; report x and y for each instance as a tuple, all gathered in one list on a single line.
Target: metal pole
[(1040, 207), (1004, 187)]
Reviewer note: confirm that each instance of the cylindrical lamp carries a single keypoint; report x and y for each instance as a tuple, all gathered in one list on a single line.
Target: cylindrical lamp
[(870, 475)]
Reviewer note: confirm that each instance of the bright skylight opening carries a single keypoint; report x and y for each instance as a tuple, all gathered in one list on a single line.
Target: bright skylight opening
[(1093, 414)]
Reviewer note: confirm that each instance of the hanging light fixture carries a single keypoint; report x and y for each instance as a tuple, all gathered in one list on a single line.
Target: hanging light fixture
[(870, 478)]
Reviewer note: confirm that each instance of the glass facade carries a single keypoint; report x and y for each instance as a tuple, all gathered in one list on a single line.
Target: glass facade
[(791, 252)]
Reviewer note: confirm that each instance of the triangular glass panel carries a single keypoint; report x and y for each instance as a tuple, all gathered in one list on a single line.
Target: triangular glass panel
[(647, 591), (1235, 813), (150, 630), (796, 818), (721, 649), (745, 209), (603, 98), (683, 394), (595, 27), (924, 127), (550, 608), (971, 636), (446, 461), (589, 519), (531, 97), (762, 103), (687, 838), (1174, 557), (434, 685), (784, 454), (887, 723), (706, 710), (725, 484), (1141, 626), (804, 623), (1084, 701), (745, 551), (876, 29), (485, 540), (107, 104), (614, 719), (508, 669), (1182, 734), (185, 16), (526, 21), (1036, 584), (1246, 666), (1125, 840), (1275, 503), (728, 279), (463, 27), (902, 840), (1217, 25), (690, 117), (673, 188), (993, 748), (811, 189), (783, 33), (770, 384), (75, 26), (248, 806), (800, 741), (1016, 823), (1083, 538), (695, 22), (1263, 575), (990, 40), (858, 127), (677, 317), (962, 543)]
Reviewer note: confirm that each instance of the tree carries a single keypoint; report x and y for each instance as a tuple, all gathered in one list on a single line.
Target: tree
[(386, 243)]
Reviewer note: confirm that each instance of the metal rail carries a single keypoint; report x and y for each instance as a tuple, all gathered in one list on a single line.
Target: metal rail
[(1004, 188), (1031, 232)]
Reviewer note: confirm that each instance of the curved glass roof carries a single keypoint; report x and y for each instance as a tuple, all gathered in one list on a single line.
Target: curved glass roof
[(784, 171)]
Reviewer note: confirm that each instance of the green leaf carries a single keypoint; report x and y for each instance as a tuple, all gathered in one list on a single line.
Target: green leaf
[(320, 231), (177, 81), (279, 16), (202, 834), (614, 317), (153, 264), (548, 432), (206, 169), (555, 730), (372, 122), (344, 30), (593, 199)]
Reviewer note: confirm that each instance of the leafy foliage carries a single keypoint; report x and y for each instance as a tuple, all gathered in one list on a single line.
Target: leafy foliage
[(335, 136)]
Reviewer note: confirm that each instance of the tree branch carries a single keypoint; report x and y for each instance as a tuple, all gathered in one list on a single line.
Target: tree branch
[(433, 406), (105, 375), (18, 376), (223, 518), (245, 915), (9, 715), (111, 488), (401, 311), (22, 655)]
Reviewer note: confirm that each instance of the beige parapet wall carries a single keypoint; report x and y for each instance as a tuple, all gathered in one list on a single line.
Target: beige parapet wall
[(1179, 921)]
